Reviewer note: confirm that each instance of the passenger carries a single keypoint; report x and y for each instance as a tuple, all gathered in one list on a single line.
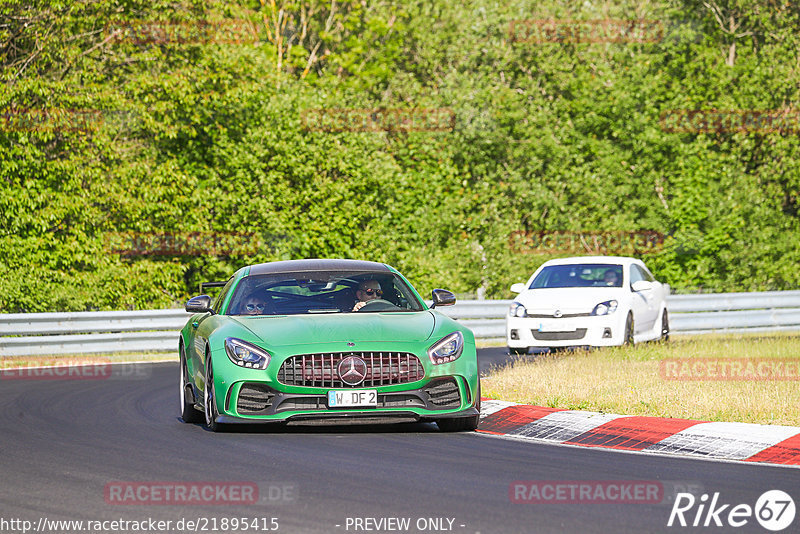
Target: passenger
[(367, 290), (254, 304), (611, 278)]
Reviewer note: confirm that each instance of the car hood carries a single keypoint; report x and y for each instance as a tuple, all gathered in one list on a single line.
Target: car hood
[(287, 330), (567, 299)]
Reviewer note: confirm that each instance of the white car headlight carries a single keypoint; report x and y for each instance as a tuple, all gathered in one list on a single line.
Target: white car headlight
[(447, 349), (605, 308), (244, 354), (517, 310)]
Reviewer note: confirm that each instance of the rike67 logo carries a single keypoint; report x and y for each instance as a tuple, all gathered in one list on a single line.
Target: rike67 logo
[(774, 510)]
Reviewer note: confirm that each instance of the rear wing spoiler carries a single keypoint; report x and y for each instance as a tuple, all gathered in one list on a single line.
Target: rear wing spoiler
[(204, 285), (212, 284)]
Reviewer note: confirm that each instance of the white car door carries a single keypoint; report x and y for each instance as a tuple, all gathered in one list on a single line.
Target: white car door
[(645, 301)]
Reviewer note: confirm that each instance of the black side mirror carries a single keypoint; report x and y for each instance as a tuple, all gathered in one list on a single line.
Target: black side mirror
[(442, 297), (199, 304)]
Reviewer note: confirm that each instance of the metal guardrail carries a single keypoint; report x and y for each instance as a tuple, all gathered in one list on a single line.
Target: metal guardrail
[(35, 334), (768, 311)]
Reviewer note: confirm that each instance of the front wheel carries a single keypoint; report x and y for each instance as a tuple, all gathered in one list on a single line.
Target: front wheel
[(664, 326), (628, 337), (518, 350), (458, 424), (463, 424), (210, 399), (188, 412)]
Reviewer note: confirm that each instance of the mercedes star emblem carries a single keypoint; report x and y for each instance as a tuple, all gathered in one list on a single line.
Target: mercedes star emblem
[(558, 313), (352, 370)]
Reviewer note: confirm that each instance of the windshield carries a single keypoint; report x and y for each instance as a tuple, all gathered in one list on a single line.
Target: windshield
[(579, 275), (322, 292)]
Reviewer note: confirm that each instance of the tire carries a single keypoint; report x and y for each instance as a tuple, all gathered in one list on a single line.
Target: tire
[(462, 424), (188, 412), (628, 336), (210, 399), (665, 326), (458, 424), (518, 350)]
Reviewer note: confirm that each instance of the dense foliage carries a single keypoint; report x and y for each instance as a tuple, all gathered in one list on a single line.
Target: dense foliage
[(110, 129)]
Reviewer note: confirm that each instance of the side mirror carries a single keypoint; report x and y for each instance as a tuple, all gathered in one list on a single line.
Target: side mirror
[(199, 304), (517, 288), (641, 285), (442, 297)]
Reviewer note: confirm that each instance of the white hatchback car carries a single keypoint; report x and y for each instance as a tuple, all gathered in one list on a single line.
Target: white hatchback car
[(587, 301)]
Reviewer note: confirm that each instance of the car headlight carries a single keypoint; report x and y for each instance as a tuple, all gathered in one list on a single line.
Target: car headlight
[(447, 349), (605, 308), (244, 354), (517, 310)]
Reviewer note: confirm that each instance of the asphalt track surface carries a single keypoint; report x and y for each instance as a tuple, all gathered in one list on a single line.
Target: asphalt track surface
[(64, 441)]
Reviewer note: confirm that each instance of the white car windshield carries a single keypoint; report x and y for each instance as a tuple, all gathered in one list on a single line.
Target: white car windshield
[(579, 275)]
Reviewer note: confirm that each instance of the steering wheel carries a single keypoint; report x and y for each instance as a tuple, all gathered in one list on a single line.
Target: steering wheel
[(377, 305)]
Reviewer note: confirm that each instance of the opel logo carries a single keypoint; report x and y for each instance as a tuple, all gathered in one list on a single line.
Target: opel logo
[(557, 313), (352, 370)]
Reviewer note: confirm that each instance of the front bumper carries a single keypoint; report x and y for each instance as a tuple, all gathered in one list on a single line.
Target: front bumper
[(363, 417), (593, 331), (260, 400), (256, 396), (295, 385)]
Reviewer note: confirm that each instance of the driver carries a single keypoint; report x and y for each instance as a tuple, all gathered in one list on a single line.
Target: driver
[(611, 278), (367, 290)]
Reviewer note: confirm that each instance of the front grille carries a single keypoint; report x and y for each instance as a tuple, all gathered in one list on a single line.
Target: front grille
[(443, 394), (319, 370), (559, 336), (254, 398)]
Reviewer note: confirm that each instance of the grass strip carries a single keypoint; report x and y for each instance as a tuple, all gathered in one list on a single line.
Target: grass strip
[(638, 380)]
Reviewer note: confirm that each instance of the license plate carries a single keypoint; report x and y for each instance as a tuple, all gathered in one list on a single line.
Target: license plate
[(556, 327), (352, 397)]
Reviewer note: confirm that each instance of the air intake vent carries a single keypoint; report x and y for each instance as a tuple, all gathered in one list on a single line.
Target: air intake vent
[(559, 336), (254, 398), (443, 394)]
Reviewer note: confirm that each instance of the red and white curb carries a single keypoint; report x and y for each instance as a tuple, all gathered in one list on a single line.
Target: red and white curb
[(656, 435)]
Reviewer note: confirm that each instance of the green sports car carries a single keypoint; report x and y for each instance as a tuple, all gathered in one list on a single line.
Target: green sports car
[(328, 341)]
